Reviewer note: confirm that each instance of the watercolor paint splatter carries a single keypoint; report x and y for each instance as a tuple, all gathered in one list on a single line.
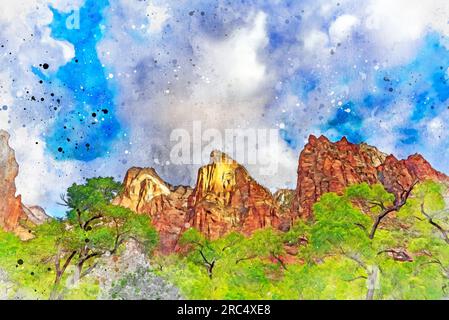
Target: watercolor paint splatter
[(192, 126)]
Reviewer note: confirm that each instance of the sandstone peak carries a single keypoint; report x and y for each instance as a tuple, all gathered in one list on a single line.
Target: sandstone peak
[(10, 204), (218, 178), (325, 166), (145, 192), (313, 140), (141, 186), (226, 198), (218, 157)]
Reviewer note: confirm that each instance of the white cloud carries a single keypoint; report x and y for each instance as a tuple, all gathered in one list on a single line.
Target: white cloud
[(235, 62), (342, 28), (316, 41), (405, 20), (399, 26), (40, 177), (157, 16)]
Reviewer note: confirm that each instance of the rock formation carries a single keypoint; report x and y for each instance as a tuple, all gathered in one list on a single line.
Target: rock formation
[(397, 175), (284, 201), (35, 215), (10, 205), (330, 167), (146, 193), (12, 211), (226, 198), (325, 166)]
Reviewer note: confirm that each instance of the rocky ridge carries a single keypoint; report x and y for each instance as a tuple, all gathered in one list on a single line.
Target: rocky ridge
[(325, 166), (225, 197), (13, 214)]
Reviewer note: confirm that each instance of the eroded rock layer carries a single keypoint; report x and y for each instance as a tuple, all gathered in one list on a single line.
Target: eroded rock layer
[(226, 198), (325, 166), (146, 193), (10, 205)]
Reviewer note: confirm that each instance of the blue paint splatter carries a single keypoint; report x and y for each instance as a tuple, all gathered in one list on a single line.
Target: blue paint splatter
[(423, 83), (86, 126), (347, 122)]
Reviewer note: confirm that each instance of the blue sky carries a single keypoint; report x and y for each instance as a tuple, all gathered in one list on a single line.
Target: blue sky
[(101, 97)]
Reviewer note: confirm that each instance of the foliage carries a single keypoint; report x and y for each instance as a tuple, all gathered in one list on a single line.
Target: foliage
[(65, 251), (408, 258), (331, 257)]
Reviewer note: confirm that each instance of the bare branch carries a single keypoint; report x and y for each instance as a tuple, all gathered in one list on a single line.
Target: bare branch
[(64, 201), (399, 203), (443, 232), (244, 259)]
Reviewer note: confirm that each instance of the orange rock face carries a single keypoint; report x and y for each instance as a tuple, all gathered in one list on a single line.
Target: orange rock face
[(10, 205), (331, 167), (146, 193), (397, 175), (226, 198)]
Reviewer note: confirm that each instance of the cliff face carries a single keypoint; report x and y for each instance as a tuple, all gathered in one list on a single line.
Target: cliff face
[(397, 175), (226, 198), (14, 215), (146, 193), (331, 167), (10, 206)]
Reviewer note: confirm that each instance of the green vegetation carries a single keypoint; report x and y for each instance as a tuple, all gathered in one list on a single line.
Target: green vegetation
[(65, 251), (336, 256), (364, 244)]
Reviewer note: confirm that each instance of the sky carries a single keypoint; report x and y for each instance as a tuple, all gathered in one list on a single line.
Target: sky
[(92, 87)]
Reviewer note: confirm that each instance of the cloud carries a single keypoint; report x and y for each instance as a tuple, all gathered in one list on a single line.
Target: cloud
[(342, 28), (26, 42), (399, 26), (157, 16), (235, 64)]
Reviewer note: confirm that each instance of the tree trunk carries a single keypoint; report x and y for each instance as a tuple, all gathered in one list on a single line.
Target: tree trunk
[(59, 273), (77, 272), (372, 283), (54, 290)]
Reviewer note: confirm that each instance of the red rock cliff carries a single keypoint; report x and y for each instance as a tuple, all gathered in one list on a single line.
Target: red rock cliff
[(226, 198), (10, 205), (146, 193), (325, 166)]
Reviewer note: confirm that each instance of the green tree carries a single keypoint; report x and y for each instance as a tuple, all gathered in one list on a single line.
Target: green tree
[(207, 252), (376, 197), (94, 227)]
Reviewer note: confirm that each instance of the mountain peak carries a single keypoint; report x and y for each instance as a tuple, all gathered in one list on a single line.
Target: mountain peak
[(217, 156), (146, 193), (10, 205), (227, 198), (325, 166), (141, 186)]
